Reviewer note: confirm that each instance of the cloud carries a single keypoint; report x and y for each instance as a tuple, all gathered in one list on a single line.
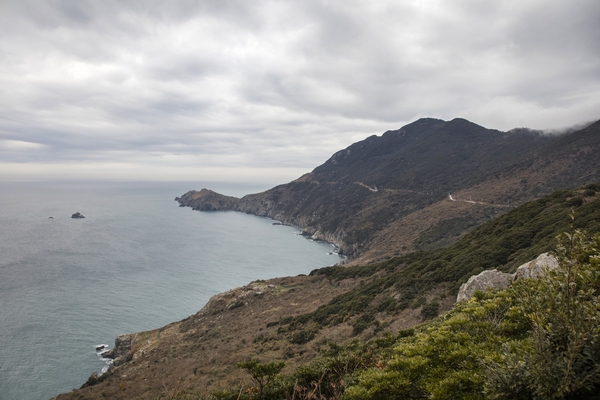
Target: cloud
[(211, 86)]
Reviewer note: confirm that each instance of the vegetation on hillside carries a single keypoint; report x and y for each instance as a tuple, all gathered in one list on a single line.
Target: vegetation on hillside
[(402, 282), (539, 339), (535, 340)]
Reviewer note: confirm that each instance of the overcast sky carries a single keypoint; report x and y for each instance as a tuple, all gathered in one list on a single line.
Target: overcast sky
[(267, 90)]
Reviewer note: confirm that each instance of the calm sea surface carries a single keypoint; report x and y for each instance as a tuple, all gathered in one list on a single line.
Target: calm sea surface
[(136, 262)]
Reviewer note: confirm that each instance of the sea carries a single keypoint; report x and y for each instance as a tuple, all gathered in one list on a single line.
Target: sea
[(136, 262)]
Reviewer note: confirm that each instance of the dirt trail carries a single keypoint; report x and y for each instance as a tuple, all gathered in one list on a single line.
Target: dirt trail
[(372, 189), (477, 202)]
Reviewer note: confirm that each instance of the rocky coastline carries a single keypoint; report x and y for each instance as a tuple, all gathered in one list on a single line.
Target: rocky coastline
[(208, 200), (388, 195), (121, 353), (258, 299)]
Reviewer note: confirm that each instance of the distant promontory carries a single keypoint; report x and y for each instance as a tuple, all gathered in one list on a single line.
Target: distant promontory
[(420, 187)]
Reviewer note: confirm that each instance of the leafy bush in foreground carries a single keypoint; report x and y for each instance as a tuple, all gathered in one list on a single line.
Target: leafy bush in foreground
[(561, 359), (540, 339)]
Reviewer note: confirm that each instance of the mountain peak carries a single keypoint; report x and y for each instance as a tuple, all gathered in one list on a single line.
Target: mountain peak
[(377, 185)]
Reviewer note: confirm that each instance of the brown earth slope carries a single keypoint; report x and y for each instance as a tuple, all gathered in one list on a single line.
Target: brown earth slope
[(199, 354)]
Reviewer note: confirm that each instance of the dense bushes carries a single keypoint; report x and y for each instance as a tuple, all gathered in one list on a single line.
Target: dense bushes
[(508, 241), (540, 339), (561, 359), (537, 340), (444, 358)]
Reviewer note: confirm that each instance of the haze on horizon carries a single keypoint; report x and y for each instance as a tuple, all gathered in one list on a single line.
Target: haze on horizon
[(265, 91)]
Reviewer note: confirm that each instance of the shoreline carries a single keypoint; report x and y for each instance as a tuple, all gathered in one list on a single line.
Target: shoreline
[(214, 203), (120, 352)]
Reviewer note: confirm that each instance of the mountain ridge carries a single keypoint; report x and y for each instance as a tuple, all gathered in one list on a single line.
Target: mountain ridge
[(374, 185), (386, 288)]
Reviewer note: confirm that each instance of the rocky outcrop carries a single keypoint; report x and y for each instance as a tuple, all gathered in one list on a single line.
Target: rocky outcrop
[(535, 268), (235, 298), (76, 215), (121, 353), (484, 281), (493, 279)]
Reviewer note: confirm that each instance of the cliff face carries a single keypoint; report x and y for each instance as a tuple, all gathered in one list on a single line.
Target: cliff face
[(425, 185)]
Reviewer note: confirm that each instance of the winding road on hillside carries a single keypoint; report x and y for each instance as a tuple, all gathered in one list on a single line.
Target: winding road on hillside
[(477, 202)]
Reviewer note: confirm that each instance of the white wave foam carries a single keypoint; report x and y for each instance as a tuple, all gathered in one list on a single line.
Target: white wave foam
[(101, 349)]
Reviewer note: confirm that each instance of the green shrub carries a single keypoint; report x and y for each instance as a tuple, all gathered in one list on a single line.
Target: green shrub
[(589, 193), (362, 323), (443, 358), (262, 374), (430, 310), (302, 336), (562, 358)]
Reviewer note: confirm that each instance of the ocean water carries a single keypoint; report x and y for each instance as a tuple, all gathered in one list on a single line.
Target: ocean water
[(136, 262)]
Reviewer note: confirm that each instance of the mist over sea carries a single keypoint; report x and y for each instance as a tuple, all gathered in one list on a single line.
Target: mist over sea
[(136, 262)]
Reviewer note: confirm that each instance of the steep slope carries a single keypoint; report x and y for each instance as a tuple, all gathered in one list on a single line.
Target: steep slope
[(378, 197), (293, 318)]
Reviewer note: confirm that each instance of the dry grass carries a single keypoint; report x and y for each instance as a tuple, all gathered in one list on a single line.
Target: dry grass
[(199, 354)]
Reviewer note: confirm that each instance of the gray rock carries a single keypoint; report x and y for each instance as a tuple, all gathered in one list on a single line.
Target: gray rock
[(122, 350), (484, 281), (77, 215), (500, 280), (537, 267), (108, 354), (92, 380)]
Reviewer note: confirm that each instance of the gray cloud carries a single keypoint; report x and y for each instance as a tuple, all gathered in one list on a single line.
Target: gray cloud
[(201, 88)]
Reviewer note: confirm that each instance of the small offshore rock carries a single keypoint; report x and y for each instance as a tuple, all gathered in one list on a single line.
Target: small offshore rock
[(77, 215)]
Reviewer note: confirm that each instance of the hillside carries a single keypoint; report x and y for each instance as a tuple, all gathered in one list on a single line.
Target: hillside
[(426, 187), (420, 187), (293, 319)]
